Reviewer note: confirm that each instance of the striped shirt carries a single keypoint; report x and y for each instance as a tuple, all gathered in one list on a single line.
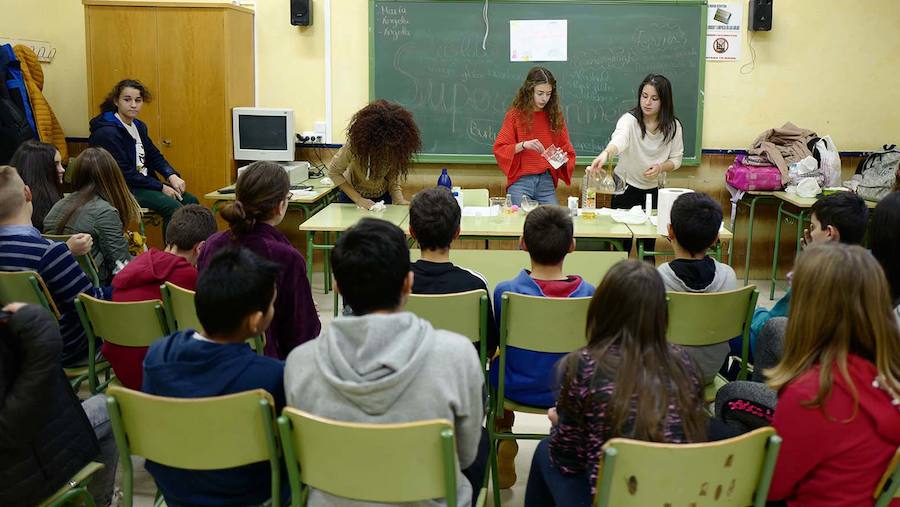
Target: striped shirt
[(23, 249)]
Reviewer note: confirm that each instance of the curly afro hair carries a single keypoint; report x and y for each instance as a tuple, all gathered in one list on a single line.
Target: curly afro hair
[(384, 135)]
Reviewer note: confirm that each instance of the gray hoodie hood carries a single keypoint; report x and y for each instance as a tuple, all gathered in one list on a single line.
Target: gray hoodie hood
[(371, 360), (724, 279)]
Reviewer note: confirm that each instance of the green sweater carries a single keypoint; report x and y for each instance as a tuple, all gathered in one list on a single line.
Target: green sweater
[(99, 219)]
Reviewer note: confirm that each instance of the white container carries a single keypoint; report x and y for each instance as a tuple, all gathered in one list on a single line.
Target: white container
[(573, 206), (458, 195)]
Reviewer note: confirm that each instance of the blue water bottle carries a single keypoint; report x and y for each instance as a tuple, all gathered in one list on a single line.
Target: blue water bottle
[(444, 180)]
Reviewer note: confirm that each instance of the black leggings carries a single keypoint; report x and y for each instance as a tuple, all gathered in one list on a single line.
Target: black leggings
[(632, 197)]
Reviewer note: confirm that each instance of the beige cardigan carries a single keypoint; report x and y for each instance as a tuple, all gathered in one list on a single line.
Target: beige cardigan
[(345, 168)]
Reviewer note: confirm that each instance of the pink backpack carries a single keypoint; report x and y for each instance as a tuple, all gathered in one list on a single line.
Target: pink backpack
[(749, 177)]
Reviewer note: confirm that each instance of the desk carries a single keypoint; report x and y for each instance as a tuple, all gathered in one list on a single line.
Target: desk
[(648, 230), (337, 218), (754, 197), (321, 196), (802, 204)]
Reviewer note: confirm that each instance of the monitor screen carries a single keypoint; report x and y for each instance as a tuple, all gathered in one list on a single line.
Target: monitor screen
[(263, 132)]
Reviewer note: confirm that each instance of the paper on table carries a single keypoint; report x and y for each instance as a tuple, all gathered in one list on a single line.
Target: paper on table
[(538, 40)]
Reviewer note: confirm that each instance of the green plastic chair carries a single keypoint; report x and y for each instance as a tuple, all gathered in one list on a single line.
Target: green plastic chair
[(181, 313), (28, 287), (132, 324), (86, 262), (728, 473), (500, 265), (539, 324), (465, 313), (476, 197), (708, 318), (194, 433), (889, 485), (74, 491), (348, 459)]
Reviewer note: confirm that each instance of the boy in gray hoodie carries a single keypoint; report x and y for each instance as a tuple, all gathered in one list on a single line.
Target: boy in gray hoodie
[(694, 227), (384, 365)]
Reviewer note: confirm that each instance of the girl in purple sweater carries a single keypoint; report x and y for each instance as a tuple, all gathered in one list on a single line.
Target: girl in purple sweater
[(607, 388), (261, 199)]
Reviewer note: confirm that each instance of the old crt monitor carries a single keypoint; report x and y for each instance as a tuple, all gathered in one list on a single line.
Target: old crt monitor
[(263, 134)]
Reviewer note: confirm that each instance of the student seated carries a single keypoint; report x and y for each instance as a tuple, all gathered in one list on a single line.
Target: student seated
[(262, 193), (384, 365), (235, 301), (23, 249), (140, 279), (838, 382), (884, 238), (434, 217), (627, 382), (40, 167), (548, 236), (48, 435), (695, 222)]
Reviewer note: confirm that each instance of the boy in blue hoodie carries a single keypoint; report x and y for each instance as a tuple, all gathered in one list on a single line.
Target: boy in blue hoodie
[(548, 236), (235, 301)]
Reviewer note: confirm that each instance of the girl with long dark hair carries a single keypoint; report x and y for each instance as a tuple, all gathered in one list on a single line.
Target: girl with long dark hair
[(533, 123), (627, 382), (40, 167)]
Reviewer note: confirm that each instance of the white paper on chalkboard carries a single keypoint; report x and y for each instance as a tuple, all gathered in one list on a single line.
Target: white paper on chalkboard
[(538, 40)]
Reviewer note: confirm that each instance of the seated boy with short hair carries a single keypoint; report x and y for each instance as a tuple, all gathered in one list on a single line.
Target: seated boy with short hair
[(434, 217), (140, 279), (384, 365), (548, 236), (694, 228), (235, 301)]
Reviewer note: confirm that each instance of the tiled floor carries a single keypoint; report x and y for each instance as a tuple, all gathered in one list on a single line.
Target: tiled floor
[(525, 423)]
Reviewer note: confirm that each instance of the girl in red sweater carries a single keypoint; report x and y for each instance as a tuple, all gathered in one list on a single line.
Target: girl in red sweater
[(838, 382), (534, 123)]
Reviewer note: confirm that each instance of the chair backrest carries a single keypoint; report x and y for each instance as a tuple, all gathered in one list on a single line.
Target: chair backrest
[(889, 485), (735, 472), (180, 308), (86, 262), (26, 287), (462, 312), (499, 265), (132, 324), (348, 459), (476, 197), (194, 433), (543, 324)]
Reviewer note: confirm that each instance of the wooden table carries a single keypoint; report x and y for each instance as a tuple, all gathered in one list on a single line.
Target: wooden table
[(337, 218), (648, 230), (309, 203), (802, 205)]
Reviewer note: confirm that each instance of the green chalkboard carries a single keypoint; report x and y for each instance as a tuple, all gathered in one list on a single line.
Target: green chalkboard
[(428, 56)]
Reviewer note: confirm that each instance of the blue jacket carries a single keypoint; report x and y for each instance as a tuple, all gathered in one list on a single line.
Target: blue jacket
[(530, 376), (180, 365), (107, 132)]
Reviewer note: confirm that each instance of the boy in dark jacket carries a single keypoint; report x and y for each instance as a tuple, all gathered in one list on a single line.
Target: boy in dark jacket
[(235, 301), (141, 278)]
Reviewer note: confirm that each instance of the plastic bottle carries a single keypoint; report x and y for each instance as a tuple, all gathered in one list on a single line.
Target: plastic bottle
[(444, 179), (589, 190), (507, 206)]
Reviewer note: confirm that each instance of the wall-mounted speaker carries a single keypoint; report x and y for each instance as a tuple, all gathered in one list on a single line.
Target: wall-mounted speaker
[(760, 15), (301, 12)]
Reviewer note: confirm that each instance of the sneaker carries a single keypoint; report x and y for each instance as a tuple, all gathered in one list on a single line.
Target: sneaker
[(506, 463)]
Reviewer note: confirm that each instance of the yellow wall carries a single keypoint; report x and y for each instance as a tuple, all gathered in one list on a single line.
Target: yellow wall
[(827, 66)]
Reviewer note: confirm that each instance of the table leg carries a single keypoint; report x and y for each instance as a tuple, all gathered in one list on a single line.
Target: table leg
[(327, 261), (775, 254), (719, 250), (640, 249), (749, 240), (310, 236)]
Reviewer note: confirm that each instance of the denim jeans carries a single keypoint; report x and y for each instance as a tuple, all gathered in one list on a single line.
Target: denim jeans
[(538, 187), (101, 486), (547, 486)]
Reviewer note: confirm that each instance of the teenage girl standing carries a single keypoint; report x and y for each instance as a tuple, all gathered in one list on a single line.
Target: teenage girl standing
[(533, 123)]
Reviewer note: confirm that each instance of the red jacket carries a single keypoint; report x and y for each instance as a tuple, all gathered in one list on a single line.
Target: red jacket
[(140, 281), (838, 459), (515, 130)]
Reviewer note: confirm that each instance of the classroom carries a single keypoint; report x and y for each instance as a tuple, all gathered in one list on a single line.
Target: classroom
[(279, 252)]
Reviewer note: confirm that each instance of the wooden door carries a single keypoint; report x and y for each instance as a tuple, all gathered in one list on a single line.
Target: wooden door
[(122, 44), (193, 88)]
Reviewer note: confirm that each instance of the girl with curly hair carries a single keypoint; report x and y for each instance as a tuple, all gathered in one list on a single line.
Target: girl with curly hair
[(533, 123), (381, 140)]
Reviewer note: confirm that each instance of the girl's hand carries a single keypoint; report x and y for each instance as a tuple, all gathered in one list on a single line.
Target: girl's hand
[(365, 203), (653, 171), (80, 244), (553, 416), (598, 162), (13, 307), (177, 183), (533, 145), (171, 192)]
